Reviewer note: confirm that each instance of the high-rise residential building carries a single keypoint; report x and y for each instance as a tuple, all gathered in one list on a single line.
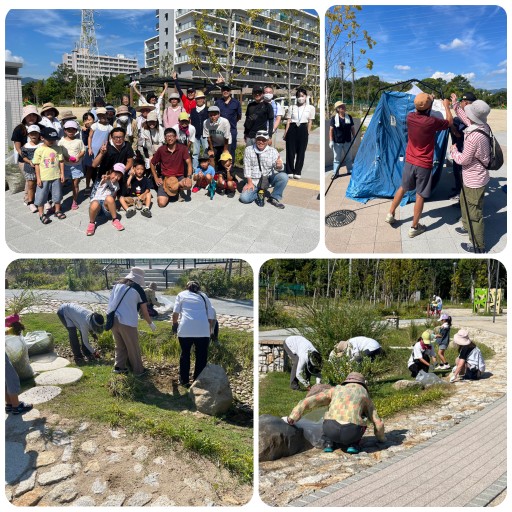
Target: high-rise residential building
[(177, 29), (108, 65)]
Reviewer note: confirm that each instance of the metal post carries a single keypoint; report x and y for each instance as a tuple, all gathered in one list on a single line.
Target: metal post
[(496, 291), (352, 65)]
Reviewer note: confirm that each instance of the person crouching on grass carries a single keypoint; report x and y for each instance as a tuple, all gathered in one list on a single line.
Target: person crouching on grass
[(49, 167), (103, 197), (138, 193), (226, 180)]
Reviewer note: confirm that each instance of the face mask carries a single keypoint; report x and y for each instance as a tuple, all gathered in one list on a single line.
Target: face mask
[(268, 96), (123, 119), (301, 100)]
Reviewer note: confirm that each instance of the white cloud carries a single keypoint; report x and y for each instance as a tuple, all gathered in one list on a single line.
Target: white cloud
[(55, 64), (502, 63), (402, 68), (501, 71), (456, 44), (9, 57), (445, 76), (469, 76)]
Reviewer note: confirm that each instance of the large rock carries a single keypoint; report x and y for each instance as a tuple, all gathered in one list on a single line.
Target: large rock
[(211, 392), (407, 384), (278, 439), (17, 351), (39, 342)]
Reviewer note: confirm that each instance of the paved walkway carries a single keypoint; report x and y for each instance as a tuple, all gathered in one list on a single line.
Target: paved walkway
[(365, 231), (222, 225), (474, 455)]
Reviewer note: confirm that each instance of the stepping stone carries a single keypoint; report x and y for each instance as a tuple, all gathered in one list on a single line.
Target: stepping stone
[(43, 363), (58, 473), (60, 377), (40, 394)]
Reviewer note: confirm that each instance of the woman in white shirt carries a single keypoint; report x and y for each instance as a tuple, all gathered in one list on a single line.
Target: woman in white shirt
[(192, 319), (296, 134)]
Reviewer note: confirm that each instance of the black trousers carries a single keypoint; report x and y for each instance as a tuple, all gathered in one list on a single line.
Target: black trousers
[(296, 144), (201, 352), (344, 435), (418, 365), (79, 349)]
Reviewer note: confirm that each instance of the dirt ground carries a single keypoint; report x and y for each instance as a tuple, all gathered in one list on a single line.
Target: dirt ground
[(498, 120)]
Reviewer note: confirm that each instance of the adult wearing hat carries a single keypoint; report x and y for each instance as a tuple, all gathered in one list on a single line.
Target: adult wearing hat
[(77, 319), (185, 132), (193, 317), (422, 353), (111, 114), (125, 121), (217, 131), (172, 112), (457, 134), (151, 98), (29, 116), (306, 361), (49, 114), (349, 409), (473, 158), (231, 109), (258, 116), (151, 137), (470, 363), (262, 166), (419, 158), (189, 98), (358, 347), (98, 102), (172, 158), (144, 111), (198, 115), (126, 300), (341, 133)]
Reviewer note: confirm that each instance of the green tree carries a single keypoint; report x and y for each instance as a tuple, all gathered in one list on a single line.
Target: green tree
[(115, 87)]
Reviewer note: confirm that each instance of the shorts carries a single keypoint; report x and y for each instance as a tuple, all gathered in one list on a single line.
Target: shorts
[(130, 200), (443, 346), (220, 175), (419, 178), (162, 193), (201, 182), (42, 192), (73, 172), (104, 209), (29, 172)]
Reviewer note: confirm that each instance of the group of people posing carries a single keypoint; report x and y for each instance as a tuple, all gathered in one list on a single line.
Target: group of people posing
[(124, 153), (349, 406)]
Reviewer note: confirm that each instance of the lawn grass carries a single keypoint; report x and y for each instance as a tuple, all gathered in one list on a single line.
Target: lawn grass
[(139, 406)]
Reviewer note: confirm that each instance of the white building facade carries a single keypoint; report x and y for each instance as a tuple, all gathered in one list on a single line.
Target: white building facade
[(108, 65)]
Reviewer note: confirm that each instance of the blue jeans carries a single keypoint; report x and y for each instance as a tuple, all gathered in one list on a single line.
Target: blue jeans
[(200, 146), (340, 149), (278, 181)]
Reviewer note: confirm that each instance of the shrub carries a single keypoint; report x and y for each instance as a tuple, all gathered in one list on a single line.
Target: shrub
[(336, 369), (276, 315), (331, 321)]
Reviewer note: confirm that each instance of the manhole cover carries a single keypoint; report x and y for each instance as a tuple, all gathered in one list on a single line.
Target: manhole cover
[(340, 218)]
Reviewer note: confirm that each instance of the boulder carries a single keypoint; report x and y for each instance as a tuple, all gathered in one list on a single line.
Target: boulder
[(17, 351), (211, 392), (39, 342), (14, 178), (407, 384), (278, 439)]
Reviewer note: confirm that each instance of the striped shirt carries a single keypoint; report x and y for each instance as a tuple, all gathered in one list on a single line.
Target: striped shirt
[(476, 150)]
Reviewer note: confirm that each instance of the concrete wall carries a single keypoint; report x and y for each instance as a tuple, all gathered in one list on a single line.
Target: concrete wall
[(13, 101)]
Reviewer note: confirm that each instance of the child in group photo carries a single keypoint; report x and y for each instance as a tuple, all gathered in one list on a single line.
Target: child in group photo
[(225, 177), (204, 174), (73, 150), (27, 154), (138, 193), (103, 198)]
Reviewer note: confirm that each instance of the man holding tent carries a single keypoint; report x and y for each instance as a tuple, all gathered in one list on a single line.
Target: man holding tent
[(419, 157)]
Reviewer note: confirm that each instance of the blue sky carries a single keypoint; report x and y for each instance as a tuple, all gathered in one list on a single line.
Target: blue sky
[(436, 41), (57, 31)]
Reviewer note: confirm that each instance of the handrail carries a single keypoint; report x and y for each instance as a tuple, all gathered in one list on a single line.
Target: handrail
[(113, 263)]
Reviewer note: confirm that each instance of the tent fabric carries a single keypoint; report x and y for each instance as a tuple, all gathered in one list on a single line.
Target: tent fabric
[(378, 166)]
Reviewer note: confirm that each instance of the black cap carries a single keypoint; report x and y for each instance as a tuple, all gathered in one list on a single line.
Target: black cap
[(50, 133), (191, 89), (257, 88), (204, 156), (225, 87), (468, 96)]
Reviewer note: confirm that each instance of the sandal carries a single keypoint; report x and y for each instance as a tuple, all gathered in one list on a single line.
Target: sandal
[(45, 219), (60, 215)]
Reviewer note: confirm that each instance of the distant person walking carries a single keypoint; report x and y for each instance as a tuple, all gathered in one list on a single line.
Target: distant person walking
[(297, 133)]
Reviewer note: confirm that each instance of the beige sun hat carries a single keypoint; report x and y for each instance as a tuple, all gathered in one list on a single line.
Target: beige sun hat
[(136, 275)]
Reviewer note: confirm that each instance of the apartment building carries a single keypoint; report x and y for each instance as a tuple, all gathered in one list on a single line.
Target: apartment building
[(108, 65), (177, 29)]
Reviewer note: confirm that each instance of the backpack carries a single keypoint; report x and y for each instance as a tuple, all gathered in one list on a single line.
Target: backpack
[(496, 160)]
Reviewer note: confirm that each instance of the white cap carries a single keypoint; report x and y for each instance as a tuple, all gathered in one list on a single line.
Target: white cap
[(33, 128), (71, 124)]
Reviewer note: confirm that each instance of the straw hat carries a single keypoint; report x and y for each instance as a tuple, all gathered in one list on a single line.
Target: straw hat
[(145, 107), (136, 275), (49, 106), (171, 185), (153, 286), (67, 115)]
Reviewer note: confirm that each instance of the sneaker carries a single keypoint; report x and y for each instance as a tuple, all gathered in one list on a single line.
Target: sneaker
[(231, 193), (146, 212), (138, 204), (80, 361), (74, 205), (390, 218), (91, 228), (418, 230), (130, 212), (21, 408), (260, 200), (117, 225), (32, 207), (468, 247), (274, 202), (297, 176), (445, 367), (353, 450), (290, 176), (328, 449), (462, 231), (122, 371), (195, 189)]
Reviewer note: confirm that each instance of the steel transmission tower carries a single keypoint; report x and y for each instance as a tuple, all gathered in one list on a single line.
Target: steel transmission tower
[(89, 80)]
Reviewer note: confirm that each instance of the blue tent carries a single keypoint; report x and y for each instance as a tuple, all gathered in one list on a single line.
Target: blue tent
[(377, 170)]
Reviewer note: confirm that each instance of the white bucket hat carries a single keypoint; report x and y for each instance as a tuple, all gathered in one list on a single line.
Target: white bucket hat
[(136, 275)]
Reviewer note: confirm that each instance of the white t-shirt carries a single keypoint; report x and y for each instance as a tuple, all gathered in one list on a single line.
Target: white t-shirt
[(126, 313), (107, 188), (302, 114), (72, 148), (417, 353), (301, 347), (361, 343), (181, 135), (195, 310), (218, 132)]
